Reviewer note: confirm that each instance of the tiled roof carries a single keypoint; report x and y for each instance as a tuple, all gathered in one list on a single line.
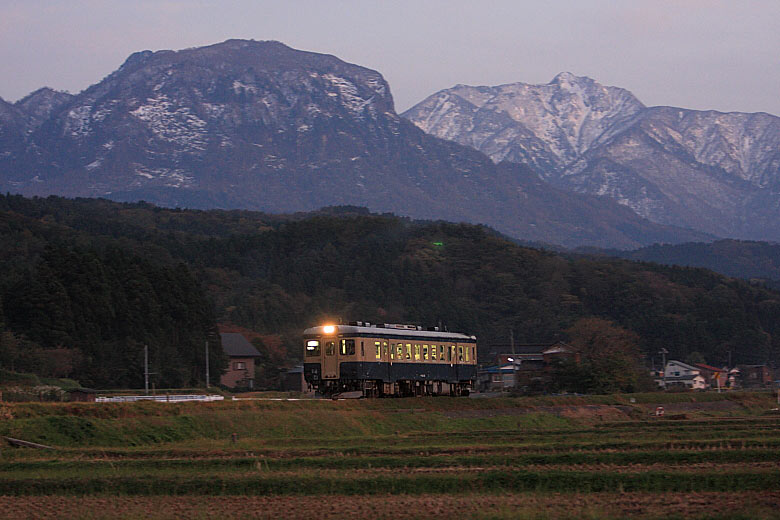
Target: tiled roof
[(525, 349), (684, 365), (236, 345), (496, 369), (709, 367)]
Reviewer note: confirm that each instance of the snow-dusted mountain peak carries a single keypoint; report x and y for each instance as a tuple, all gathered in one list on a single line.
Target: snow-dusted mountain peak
[(712, 171), (562, 119), (40, 104), (567, 79)]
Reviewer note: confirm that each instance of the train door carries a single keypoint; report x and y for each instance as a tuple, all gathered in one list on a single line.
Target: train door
[(460, 358), (330, 361)]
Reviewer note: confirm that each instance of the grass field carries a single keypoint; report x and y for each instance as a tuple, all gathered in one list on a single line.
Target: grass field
[(710, 456)]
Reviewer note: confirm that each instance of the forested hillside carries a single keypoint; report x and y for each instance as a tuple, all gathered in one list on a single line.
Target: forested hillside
[(82, 307), (746, 259), (114, 275)]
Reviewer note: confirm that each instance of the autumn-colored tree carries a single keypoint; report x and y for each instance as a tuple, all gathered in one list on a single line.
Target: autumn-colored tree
[(609, 359)]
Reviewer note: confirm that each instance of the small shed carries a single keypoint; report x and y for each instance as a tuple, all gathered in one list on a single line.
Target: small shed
[(242, 354), (496, 378), (85, 395), (293, 381)]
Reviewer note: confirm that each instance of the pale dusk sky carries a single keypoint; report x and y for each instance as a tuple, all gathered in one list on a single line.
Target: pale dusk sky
[(701, 54)]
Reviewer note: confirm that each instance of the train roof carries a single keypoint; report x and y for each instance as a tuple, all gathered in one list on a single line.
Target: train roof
[(391, 331)]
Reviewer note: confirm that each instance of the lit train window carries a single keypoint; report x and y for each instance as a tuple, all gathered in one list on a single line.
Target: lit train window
[(433, 352), (417, 352), (378, 350), (425, 352), (451, 355), (408, 351), (347, 347), (441, 352), (400, 349), (312, 348), (330, 348), (466, 354), (460, 352), (384, 348)]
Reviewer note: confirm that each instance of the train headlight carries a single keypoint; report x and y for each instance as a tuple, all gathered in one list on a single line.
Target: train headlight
[(329, 329)]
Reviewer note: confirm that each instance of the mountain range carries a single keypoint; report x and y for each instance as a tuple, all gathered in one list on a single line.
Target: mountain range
[(711, 171), (258, 125)]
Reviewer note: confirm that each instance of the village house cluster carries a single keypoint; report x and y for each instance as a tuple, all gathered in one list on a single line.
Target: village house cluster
[(530, 368), (699, 376)]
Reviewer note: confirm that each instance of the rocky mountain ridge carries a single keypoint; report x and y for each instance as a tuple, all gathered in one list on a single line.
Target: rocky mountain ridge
[(711, 171), (258, 125), (38, 106)]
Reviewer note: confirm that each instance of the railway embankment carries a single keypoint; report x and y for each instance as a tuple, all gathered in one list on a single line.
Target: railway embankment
[(70, 425)]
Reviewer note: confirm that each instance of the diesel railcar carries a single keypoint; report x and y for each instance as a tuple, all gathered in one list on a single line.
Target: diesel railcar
[(388, 360)]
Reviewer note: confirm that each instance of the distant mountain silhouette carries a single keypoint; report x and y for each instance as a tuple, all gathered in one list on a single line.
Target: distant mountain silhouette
[(258, 125)]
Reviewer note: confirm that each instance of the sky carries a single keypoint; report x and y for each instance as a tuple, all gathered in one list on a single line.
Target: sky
[(700, 54)]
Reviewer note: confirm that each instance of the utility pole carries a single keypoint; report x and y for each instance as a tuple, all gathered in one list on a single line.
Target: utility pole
[(514, 366), (146, 369), (207, 363), (512, 341), (663, 353)]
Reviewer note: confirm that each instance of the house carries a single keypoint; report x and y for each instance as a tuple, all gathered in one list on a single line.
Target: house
[(242, 354), (86, 395), (679, 374), (529, 366), (714, 377), (755, 376), (539, 354), (658, 377)]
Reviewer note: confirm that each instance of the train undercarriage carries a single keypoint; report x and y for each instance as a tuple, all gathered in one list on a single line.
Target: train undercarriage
[(401, 388)]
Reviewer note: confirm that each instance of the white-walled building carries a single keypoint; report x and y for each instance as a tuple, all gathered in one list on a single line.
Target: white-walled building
[(679, 373)]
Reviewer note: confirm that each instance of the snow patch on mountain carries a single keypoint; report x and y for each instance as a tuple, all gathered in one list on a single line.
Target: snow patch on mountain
[(171, 123), (349, 94), (169, 177), (239, 88)]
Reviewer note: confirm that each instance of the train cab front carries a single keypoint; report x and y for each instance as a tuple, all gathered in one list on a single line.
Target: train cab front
[(320, 357)]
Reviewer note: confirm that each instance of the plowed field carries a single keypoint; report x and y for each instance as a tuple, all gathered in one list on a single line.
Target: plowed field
[(366, 461), (593, 505)]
